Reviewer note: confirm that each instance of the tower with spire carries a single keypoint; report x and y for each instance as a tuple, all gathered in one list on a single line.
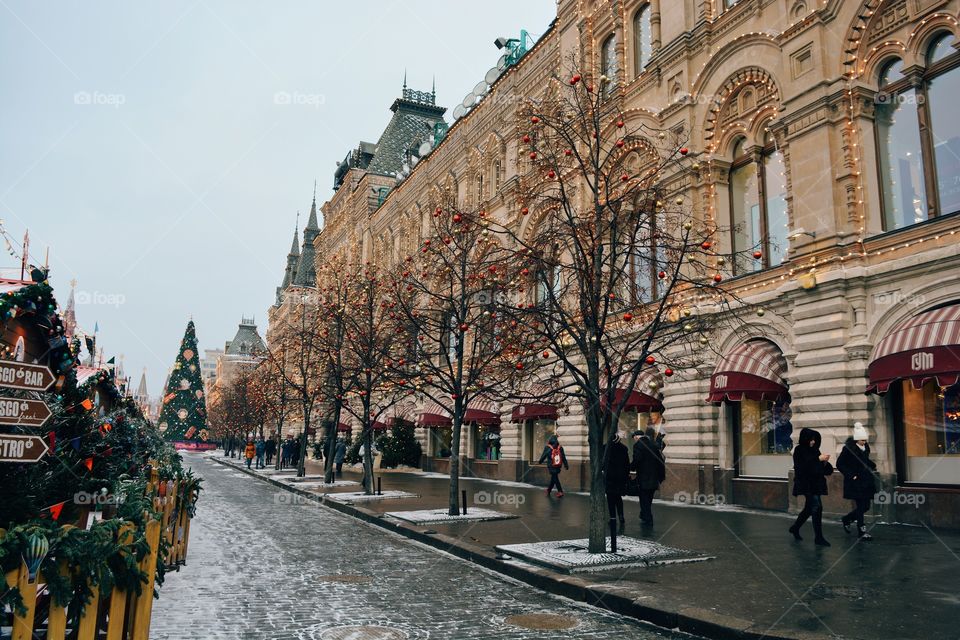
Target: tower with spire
[(292, 259), (70, 313), (306, 275)]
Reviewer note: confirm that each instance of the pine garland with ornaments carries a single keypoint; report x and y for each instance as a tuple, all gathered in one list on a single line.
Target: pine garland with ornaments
[(184, 414)]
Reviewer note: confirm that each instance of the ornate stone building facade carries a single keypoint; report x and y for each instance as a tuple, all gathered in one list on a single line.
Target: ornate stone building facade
[(821, 131)]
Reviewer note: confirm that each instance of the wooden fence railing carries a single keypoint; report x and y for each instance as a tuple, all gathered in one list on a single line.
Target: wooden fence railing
[(119, 615)]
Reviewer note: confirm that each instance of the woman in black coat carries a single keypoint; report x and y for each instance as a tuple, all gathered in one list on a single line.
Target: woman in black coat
[(616, 471), (811, 469), (859, 484)]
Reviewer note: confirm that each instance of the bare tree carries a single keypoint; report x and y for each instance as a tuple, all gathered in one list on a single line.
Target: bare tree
[(617, 263), (297, 355), (371, 348), (460, 349)]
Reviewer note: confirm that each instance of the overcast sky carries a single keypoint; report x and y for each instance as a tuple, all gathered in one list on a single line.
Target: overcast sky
[(147, 144)]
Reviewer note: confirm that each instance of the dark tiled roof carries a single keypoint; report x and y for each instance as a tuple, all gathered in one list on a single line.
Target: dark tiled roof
[(412, 123), (247, 340)]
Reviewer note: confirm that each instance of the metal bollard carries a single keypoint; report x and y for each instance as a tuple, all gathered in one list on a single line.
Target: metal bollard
[(613, 535), (463, 500), (379, 486)]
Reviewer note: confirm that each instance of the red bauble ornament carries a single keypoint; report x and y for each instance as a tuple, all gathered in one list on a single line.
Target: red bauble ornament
[(534, 119), (589, 88), (464, 327), (662, 275), (519, 366), (439, 210), (525, 272), (620, 143), (625, 178), (427, 242), (612, 296), (457, 217), (492, 268), (668, 372), (525, 211), (568, 152), (406, 274), (706, 244), (575, 79), (651, 360), (446, 241), (526, 139), (620, 124), (628, 317), (546, 354), (717, 277), (684, 151), (757, 254), (551, 174), (533, 155)]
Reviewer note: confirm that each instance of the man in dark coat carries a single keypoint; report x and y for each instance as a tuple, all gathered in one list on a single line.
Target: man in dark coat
[(810, 468), (859, 483), (340, 455), (271, 449), (650, 467), (616, 470), (555, 458)]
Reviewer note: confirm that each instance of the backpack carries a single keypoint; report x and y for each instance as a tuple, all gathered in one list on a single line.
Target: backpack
[(556, 456)]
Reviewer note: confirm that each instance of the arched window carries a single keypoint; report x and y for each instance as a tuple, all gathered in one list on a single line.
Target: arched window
[(642, 38), (608, 61), (919, 165), (758, 206)]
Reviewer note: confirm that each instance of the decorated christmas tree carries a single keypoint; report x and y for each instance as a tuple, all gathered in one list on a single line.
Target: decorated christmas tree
[(184, 414)]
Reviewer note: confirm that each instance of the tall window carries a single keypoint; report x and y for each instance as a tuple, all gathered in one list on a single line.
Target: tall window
[(608, 61), (648, 261), (918, 138), (764, 437), (479, 187), (758, 206), (642, 38), (497, 174)]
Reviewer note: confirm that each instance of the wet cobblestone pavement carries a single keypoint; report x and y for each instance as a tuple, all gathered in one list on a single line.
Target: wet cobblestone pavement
[(262, 564)]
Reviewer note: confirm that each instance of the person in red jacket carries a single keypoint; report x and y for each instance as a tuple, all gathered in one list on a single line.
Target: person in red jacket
[(250, 452), (555, 458)]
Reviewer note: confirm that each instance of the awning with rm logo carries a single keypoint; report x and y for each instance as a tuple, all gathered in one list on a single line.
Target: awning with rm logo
[(925, 347)]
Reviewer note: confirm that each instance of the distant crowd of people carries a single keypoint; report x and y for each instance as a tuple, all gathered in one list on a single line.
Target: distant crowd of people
[(259, 452)]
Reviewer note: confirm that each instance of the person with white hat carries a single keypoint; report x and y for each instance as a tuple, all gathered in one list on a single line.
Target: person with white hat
[(859, 483)]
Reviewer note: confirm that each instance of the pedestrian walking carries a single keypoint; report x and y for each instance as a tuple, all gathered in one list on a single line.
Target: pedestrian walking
[(810, 468), (249, 452), (859, 483), (651, 470), (285, 454), (555, 458), (340, 455), (295, 453), (616, 471), (271, 449), (261, 449)]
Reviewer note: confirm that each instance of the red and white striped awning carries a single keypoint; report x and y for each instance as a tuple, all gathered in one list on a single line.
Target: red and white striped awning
[(433, 415), (540, 406), (925, 347), (643, 398), (755, 370), (84, 373), (483, 411)]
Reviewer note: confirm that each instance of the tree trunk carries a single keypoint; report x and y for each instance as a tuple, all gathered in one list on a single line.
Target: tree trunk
[(301, 463), (598, 499), (367, 452), (329, 470), (455, 458)]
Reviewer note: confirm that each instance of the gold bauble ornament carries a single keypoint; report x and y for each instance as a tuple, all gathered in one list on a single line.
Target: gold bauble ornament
[(687, 226), (760, 312), (721, 260)]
